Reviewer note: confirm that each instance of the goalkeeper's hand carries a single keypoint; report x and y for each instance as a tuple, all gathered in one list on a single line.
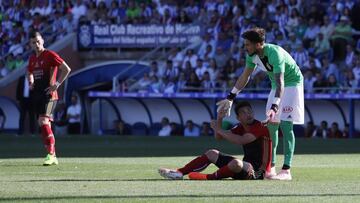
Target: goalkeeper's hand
[(224, 105)]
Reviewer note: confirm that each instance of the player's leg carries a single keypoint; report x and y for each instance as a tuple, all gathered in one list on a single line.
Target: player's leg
[(46, 132), (292, 112), (274, 134), (228, 165), (197, 164)]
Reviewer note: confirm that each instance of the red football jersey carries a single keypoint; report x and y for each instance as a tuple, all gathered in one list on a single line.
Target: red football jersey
[(258, 152), (44, 68)]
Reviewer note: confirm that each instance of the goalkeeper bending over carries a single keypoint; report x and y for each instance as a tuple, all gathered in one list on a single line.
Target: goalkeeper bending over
[(249, 133), (285, 104)]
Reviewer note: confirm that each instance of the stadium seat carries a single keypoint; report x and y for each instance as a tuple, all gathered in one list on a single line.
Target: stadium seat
[(139, 128), (155, 128), (299, 130)]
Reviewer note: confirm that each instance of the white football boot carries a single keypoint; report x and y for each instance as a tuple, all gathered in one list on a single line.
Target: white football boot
[(282, 175), (170, 174)]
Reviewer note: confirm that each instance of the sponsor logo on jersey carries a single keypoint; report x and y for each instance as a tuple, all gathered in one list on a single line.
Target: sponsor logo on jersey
[(287, 109)]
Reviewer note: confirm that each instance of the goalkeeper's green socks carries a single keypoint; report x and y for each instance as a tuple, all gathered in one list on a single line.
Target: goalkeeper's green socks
[(273, 130), (289, 142)]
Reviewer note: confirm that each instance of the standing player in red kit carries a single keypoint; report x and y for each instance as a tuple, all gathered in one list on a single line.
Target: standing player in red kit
[(42, 74), (249, 133)]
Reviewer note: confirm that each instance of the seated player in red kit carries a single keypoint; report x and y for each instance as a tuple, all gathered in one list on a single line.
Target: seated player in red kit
[(249, 133)]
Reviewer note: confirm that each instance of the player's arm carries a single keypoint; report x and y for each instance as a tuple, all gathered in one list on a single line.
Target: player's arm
[(30, 77), (239, 85), (64, 72), (227, 134), (279, 91), (278, 61)]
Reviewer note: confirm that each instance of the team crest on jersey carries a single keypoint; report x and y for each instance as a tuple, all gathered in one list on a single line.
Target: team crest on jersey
[(287, 109)]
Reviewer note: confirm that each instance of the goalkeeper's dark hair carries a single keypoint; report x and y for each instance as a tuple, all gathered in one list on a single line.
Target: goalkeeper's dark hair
[(255, 35), (34, 34), (240, 105)]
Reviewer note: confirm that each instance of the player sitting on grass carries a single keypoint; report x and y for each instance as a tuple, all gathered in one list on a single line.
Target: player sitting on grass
[(250, 133)]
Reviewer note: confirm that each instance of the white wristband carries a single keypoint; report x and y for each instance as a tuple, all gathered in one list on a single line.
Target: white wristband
[(57, 84), (276, 101), (235, 90)]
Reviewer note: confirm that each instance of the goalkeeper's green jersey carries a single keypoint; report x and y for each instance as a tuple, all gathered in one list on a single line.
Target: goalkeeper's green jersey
[(276, 60)]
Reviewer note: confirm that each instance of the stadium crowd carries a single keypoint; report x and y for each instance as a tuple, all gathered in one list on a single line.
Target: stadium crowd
[(322, 36)]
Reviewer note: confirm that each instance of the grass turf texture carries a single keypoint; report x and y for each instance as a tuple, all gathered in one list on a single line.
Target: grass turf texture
[(113, 169)]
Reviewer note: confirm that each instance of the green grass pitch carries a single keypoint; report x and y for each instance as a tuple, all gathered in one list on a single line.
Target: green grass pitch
[(124, 169)]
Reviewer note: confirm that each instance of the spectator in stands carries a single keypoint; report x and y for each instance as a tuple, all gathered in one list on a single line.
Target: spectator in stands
[(206, 41), (175, 129), (183, 18), (310, 129), (327, 27), (133, 11), (311, 32), (293, 21), (191, 57), (171, 72), (177, 57), (60, 120), (155, 85), (200, 68), (328, 68), (220, 57), (334, 131), (69, 24), (23, 95), (206, 130), (350, 55), (322, 131), (349, 83), (322, 46), (142, 84), (168, 85), (207, 84), (340, 38), (154, 69), (193, 84), (346, 131), (309, 81), (332, 84), (91, 10), (224, 42), (166, 129), (78, 10), (300, 55), (319, 84), (73, 116), (113, 13), (16, 48), (120, 128), (191, 130), (213, 70), (3, 70), (356, 68)]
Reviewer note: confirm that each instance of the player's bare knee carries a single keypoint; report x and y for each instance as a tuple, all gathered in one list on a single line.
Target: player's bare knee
[(43, 121), (212, 155), (235, 165)]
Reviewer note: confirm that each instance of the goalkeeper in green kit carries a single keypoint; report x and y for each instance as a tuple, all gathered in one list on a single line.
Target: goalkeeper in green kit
[(285, 104)]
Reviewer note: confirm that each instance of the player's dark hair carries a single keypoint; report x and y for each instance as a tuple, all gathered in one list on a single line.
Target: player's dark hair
[(241, 105), (34, 34), (255, 35)]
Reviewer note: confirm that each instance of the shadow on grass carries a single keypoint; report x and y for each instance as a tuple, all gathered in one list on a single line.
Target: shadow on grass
[(171, 196), (94, 180)]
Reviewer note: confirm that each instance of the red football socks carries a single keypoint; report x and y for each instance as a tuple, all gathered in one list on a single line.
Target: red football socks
[(198, 164), (48, 138), (223, 172)]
